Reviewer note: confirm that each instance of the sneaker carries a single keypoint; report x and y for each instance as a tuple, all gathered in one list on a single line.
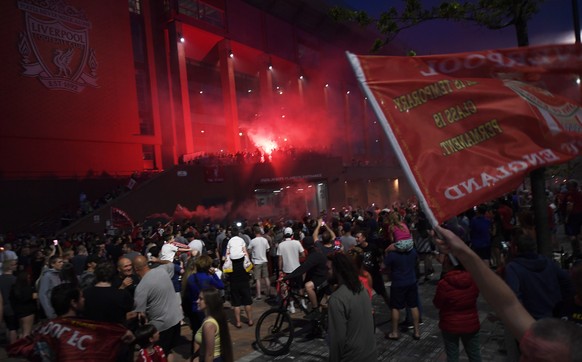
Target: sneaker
[(258, 298), (303, 304), (291, 309)]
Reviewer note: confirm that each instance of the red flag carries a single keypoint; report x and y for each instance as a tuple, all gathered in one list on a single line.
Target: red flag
[(469, 127), (120, 219), (70, 339)]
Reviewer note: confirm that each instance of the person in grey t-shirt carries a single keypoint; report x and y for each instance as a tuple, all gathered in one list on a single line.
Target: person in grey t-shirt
[(155, 298)]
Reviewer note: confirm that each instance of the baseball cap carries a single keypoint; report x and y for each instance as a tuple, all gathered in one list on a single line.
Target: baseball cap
[(288, 232)]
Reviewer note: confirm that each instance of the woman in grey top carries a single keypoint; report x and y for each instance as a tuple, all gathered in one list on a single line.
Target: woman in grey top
[(351, 324)]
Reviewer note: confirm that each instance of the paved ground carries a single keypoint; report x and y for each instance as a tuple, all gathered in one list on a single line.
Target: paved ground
[(429, 348)]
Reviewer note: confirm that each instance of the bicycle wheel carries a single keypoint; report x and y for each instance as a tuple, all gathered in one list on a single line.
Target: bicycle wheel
[(274, 332)]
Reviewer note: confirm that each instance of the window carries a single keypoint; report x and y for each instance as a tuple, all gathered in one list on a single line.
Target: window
[(149, 157), (202, 11)]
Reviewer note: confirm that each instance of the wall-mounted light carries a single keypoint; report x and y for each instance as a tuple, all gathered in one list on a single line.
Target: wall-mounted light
[(348, 92), (300, 77), (326, 85), (230, 53), (181, 38), (270, 66)]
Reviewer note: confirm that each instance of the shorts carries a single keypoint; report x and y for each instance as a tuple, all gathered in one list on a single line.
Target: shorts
[(168, 338), (261, 271), (404, 297), (240, 294), (484, 253)]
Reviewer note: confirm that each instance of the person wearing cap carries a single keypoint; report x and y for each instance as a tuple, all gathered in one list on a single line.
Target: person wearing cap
[(289, 252), (316, 272)]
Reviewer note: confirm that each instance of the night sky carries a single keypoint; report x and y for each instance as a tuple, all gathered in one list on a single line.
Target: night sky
[(552, 24)]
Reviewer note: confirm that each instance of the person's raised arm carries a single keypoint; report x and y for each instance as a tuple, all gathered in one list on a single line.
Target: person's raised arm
[(316, 231), (330, 231), (499, 296)]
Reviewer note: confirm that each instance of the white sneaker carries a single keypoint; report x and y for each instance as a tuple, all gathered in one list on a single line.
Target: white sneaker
[(291, 309), (303, 304)]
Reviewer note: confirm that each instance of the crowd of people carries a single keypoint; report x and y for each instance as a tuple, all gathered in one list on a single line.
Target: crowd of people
[(125, 296)]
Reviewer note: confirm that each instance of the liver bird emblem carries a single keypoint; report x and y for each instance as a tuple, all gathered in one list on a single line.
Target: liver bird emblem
[(62, 59)]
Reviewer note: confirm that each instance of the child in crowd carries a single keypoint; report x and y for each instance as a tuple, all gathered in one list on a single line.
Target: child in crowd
[(146, 336)]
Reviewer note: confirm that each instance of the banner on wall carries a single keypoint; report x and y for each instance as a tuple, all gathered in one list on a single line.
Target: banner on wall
[(469, 127)]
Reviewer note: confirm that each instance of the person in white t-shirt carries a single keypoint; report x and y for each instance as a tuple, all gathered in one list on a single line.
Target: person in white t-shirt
[(289, 252), (259, 246), (236, 246), (170, 248)]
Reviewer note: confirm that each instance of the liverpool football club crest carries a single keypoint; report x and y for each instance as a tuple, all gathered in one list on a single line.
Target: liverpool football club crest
[(55, 45)]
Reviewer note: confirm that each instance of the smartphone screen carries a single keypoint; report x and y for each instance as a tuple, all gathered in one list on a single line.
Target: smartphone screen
[(55, 242)]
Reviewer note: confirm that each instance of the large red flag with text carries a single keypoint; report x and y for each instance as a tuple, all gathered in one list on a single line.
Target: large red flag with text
[(469, 127)]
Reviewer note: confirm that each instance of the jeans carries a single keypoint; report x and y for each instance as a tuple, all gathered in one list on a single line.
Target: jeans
[(470, 342)]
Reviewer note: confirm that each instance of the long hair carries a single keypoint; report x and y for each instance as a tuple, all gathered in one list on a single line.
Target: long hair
[(395, 220), (214, 309), (345, 272), (188, 270)]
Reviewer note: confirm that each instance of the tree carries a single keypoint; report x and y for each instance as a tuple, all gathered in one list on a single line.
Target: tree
[(493, 14)]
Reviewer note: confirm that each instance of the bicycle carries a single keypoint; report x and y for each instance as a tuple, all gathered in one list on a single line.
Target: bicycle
[(274, 332)]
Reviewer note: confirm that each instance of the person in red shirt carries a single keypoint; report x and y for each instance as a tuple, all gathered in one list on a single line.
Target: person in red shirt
[(146, 337), (456, 298)]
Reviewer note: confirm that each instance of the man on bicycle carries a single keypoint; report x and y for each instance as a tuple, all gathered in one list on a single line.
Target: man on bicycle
[(316, 273)]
